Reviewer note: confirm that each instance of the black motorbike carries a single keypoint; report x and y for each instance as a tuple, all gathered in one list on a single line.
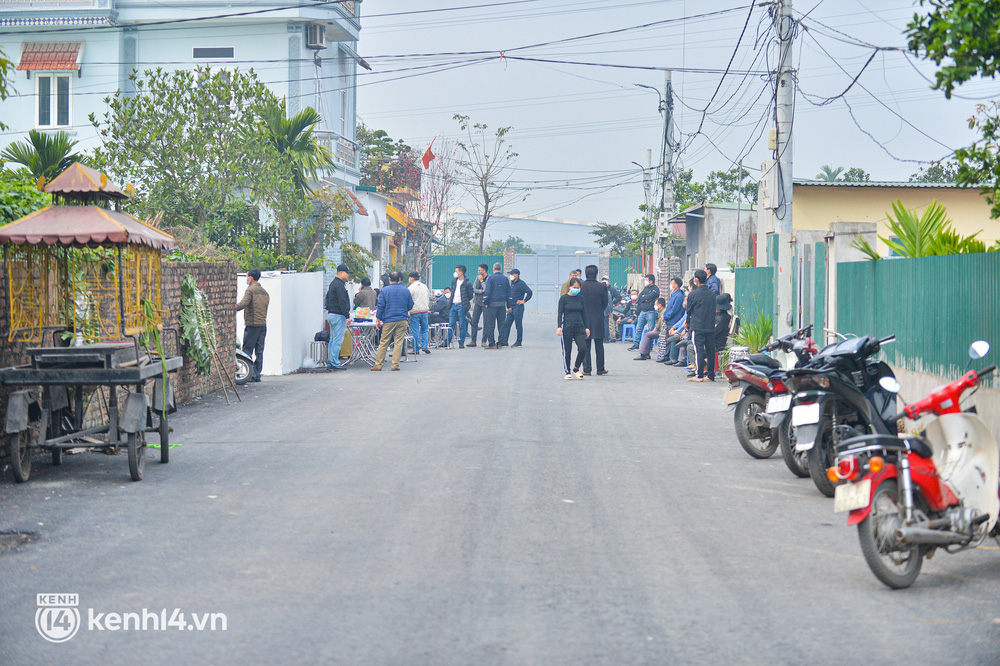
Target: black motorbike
[(244, 367), (837, 396)]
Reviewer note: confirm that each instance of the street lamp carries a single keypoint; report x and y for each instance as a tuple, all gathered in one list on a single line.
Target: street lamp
[(662, 106)]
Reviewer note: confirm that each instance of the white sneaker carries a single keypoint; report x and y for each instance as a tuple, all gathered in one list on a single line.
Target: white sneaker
[(569, 376)]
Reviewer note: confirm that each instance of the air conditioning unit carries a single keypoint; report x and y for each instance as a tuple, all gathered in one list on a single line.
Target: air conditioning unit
[(316, 36)]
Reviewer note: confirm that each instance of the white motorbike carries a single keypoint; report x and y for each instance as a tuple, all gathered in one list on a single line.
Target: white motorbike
[(910, 495)]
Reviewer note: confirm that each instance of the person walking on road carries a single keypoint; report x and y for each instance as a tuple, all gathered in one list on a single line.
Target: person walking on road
[(595, 297), (572, 321), (520, 293), (701, 317), (495, 297), (461, 302), (419, 315), (338, 314), (478, 307), (391, 315), (255, 301)]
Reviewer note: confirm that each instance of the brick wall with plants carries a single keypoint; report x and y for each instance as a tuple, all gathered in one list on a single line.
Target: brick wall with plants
[(217, 279)]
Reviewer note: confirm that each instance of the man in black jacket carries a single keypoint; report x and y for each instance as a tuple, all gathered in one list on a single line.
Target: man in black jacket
[(595, 300), (495, 298), (646, 303), (520, 293), (478, 308), (701, 318), (461, 303), (338, 314)]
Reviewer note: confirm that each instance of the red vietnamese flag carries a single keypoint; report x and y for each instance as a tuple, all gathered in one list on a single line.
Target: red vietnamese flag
[(428, 155)]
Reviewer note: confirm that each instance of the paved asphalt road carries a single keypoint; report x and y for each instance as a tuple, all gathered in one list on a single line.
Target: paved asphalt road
[(475, 508)]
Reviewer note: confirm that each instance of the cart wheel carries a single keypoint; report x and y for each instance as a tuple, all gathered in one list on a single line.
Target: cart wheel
[(136, 455), (164, 440), (20, 456), (56, 457)]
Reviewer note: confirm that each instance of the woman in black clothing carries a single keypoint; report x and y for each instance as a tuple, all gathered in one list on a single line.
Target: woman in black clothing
[(572, 327)]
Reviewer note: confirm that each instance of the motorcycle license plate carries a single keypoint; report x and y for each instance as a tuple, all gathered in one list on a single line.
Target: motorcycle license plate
[(778, 403), (805, 414), (732, 396), (851, 496)]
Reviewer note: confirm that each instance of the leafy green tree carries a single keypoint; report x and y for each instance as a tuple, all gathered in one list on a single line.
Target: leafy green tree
[(19, 195), (965, 36), (294, 137), (926, 234), (687, 192), (617, 237), (937, 172), (642, 235), (829, 174), (190, 141), (731, 185), (487, 161), (460, 236), (386, 165), (516, 242), (856, 175), (43, 155)]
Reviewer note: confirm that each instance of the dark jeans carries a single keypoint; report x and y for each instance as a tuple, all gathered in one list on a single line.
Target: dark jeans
[(253, 346), (571, 334), (597, 344), (704, 353), (477, 314), (514, 318), (492, 321)]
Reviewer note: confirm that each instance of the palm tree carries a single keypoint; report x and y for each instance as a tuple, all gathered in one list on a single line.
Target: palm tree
[(827, 174), (43, 155), (293, 138)]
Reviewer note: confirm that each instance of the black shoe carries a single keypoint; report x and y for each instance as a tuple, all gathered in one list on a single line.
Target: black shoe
[(662, 360), (516, 344), (641, 357), (426, 350), (692, 374), (633, 347), (461, 345)]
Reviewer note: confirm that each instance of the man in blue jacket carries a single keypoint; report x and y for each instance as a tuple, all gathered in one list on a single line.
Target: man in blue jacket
[(495, 298), (392, 317), (520, 293)]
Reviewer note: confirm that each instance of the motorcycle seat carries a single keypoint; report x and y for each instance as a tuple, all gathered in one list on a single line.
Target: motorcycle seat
[(763, 359), (919, 446)]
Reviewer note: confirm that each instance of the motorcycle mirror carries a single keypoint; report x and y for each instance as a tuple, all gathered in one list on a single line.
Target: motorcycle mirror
[(890, 384), (979, 349)]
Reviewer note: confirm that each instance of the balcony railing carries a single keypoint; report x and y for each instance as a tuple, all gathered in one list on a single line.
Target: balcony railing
[(343, 150)]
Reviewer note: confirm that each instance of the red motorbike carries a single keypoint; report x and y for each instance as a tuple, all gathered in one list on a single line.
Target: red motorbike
[(910, 495)]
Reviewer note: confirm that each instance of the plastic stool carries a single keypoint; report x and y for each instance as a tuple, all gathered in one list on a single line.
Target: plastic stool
[(628, 333)]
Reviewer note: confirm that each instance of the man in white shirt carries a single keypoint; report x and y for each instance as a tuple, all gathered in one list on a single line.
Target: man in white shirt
[(461, 303), (419, 314)]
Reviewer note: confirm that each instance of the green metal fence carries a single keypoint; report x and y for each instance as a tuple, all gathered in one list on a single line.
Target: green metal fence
[(935, 307), (444, 266), (621, 267), (754, 293)]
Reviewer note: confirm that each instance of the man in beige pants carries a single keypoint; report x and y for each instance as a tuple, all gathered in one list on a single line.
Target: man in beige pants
[(392, 317)]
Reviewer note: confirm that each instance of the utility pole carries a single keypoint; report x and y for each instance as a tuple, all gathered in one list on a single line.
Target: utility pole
[(785, 28), (667, 199)]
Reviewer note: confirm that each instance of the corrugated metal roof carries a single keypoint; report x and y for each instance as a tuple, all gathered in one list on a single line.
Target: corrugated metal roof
[(872, 183)]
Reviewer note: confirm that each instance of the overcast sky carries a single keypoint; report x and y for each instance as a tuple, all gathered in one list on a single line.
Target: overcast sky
[(579, 128)]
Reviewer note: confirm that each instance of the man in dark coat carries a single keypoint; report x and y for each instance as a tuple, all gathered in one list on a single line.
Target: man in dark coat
[(701, 317), (595, 300), (495, 297), (338, 313), (520, 293)]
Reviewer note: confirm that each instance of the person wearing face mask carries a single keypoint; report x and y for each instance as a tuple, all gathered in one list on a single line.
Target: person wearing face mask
[(652, 333), (495, 297), (647, 315), (629, 315), (671, 315), (572, 318), (520, 293), (478, 307), (255, 301)]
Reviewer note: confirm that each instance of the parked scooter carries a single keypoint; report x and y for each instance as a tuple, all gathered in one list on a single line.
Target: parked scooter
[(757, 390), (910, 495), (244, 367), (837, 396)]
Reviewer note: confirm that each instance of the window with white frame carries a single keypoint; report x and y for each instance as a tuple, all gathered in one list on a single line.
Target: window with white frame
[(52, 100)]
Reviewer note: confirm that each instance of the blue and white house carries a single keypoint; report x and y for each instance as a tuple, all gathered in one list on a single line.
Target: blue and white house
[(71, 54)]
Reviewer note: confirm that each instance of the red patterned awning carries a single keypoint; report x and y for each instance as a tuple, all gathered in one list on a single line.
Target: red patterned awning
[(50, 56)]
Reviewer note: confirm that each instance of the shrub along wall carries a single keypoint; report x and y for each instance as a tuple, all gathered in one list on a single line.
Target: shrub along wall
[(216, 278)]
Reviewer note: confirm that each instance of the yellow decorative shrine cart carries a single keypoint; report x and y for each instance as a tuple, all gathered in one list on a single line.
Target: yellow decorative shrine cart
[(89, 277)]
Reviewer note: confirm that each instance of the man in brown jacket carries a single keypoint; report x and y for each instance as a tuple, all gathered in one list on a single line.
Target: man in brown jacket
[(255, 301)]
